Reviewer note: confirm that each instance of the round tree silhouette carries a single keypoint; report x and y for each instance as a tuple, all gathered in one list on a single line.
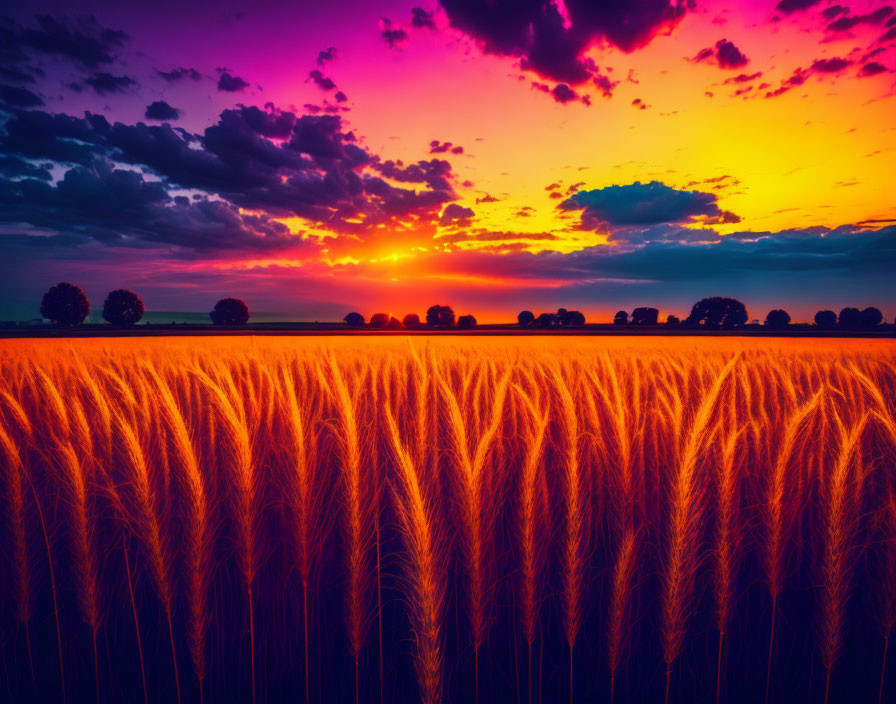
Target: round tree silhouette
[(65, 304), (525, 318), (230, 311), (122, 308)]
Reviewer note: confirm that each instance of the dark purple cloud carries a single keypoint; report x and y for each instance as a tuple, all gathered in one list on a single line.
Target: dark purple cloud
[(605, 84), (455, 214), (833, 11), (872, 69), (561, 93), (81, 39), (119, 207), (645, 204), (180, 73), (104, 83), (321, 81), (797, 78), (20, 73), (325, 55), (437, 147), (553, 45), (834, 65), (393, 35), (18, 97), (790, 6), (421, 19), (231, 84), (725, 54), (743, 78), (315, 169), (847, 22), (160, 110)]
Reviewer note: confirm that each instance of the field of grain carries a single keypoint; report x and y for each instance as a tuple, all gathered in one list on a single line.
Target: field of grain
[(447, 520)]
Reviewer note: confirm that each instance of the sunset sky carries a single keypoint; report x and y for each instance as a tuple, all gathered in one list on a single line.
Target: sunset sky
[(314, 158)]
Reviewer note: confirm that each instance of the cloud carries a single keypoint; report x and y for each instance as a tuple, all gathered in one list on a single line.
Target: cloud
[(20, 73), (797, 78), (872, 69), (847, 22), (604, 83), (664, 233), (120, 208), (160, 110), (483, 235), (435, 172), (801, 75), (724, 54), (834, 65), (315, 170), (833, 11), (18, 97), (230, 83), (743, 78), (104, 83), (437, 147), (82, 40), (561, 93), (15, 167), (455, 214), (325, 55), (421, 19), (645, 204), (393, 35), (804, 262), (487, 198), (321, 81), (788, 7), (553, 45), (180, 73)]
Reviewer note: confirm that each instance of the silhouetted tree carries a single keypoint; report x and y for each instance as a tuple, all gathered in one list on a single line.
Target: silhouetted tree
[(871, 317), (826, 319), (440, 317), (673, 321), (466, 322), (850, 318), (379, 320), (778, 319), (525, 318), (546, 320), (562, 316), (717, 312), (354, 320), (65, 304), (394, 324), (575, 318), (411, 321), (621, 318), (122, 308), (645, 316), (230, 311)]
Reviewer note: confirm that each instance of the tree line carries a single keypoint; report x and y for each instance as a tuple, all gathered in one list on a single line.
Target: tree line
[(66, 304)]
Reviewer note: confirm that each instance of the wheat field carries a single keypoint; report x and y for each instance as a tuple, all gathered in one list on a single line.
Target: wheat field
[(366, 519)]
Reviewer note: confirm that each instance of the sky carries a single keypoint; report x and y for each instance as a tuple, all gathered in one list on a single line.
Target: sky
[(314, 158)]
